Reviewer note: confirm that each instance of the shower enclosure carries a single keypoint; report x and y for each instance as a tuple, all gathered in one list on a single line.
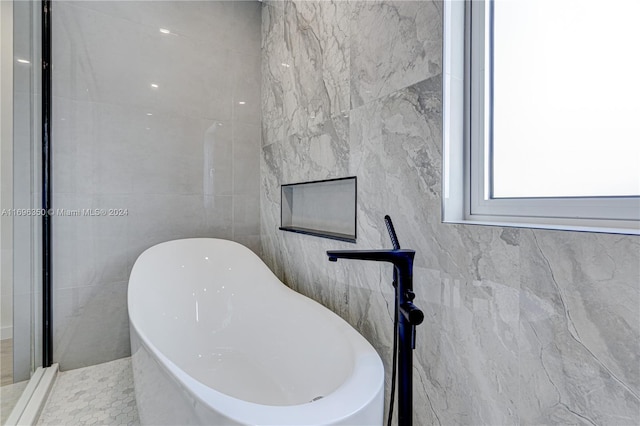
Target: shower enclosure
[(20, 223)]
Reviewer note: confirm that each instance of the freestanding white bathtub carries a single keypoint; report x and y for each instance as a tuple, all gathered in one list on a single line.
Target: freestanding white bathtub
[(217, 339)]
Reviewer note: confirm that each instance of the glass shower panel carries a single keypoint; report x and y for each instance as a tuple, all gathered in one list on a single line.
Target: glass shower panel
[(27, 165), (21, 222)]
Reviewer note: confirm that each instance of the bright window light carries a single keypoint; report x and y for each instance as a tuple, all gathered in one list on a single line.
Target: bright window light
[(565, 116), (541, 114)]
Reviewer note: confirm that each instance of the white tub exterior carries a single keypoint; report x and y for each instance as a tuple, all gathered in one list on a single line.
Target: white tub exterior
[(217, 339)]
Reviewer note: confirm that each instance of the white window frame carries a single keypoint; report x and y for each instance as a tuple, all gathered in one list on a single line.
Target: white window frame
[(466, 149)]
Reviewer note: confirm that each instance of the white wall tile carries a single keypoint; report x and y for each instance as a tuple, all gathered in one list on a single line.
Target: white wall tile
[(246, 215), (91, 325), (165, 154), (246, 158)]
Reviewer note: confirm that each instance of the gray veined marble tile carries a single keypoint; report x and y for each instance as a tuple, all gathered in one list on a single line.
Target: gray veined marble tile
[(580, 329), (522, 327), (271, 71), (329, 23), (321, 155), (599, 295), (394, 44), (300, 158), (467, 354), (270, 191), (306, 68), (394, 149), (402, 134)]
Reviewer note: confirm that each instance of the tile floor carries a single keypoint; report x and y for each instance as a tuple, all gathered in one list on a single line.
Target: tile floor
[(98, 395), (9, 392), (9, 396), (6, 362)]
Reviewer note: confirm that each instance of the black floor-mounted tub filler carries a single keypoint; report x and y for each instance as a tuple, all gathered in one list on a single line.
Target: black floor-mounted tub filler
[(405, 322)]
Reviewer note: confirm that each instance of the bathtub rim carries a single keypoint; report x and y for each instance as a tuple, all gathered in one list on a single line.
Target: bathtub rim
[(367, 377)]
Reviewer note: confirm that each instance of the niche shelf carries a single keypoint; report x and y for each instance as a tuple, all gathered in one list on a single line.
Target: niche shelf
[(323, 208)]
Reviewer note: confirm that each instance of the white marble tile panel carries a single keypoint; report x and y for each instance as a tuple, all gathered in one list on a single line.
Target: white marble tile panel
[(115, 60), (246, 31), (246, 158), (72, 241), (212, 22), (169, 155), (164, 216), (74, 131), (218, 213), (246, 215), (246, 87), (91, 325), (217, 158), (231, 25), (250, 241), (108, 148)]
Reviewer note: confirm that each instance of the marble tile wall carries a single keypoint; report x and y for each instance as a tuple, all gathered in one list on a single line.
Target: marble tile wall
[(522, 326), (182, 158)]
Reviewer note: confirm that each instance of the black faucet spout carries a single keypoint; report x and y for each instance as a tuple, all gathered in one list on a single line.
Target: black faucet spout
[(400, 258)]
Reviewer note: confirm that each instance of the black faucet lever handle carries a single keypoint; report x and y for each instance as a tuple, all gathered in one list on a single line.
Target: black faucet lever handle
[(392, 232)]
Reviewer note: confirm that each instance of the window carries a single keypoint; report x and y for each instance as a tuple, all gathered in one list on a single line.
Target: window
[(542, 114)]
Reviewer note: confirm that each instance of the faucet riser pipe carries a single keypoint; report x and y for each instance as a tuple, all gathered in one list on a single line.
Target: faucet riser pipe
[(405, 349), (405, 375)]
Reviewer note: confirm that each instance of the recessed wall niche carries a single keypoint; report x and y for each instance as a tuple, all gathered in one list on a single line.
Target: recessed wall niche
[(325, 208)]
